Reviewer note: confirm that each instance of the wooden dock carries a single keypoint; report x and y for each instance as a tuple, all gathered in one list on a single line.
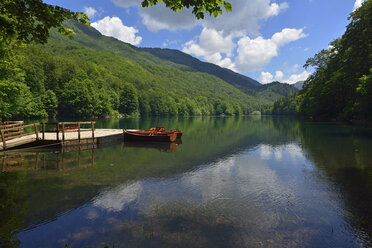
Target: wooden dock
[(59, 134)]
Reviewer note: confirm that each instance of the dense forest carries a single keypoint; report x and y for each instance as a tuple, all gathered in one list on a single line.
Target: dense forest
[(96, 76), (341, 86)]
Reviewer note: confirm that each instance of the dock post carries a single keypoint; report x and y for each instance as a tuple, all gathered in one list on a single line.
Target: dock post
[(79, 131), (3, 138), (36, 131), (57, 127), (63, 132), (93, 132), (43, 129)]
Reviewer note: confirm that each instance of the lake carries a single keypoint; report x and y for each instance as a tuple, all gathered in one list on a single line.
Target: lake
[(231, 182)]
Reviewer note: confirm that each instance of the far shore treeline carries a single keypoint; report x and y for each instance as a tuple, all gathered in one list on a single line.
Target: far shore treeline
[(341, 86)]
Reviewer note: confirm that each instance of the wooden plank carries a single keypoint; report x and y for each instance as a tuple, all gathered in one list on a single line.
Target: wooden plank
[(24, 126), (19, 136), (11, 134), (10, 125)]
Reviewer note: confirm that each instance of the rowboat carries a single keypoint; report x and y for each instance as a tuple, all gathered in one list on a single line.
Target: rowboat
[(153, 134)]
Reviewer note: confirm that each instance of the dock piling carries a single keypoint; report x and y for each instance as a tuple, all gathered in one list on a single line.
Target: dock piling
[(36, 131), (3, 138), (43, 129)]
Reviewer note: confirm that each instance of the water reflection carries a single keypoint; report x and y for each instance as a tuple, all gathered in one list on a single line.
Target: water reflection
[(160, 146), (234, 182), (53, 160)]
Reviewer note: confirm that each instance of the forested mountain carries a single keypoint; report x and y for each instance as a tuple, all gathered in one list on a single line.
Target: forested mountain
[(274, 90), (242, 82), (94, 75), (341, 86)]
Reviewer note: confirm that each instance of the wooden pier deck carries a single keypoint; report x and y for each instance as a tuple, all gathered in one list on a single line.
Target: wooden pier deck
[(65, 134)]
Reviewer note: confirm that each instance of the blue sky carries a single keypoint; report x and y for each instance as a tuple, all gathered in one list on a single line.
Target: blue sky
[(263, 39)]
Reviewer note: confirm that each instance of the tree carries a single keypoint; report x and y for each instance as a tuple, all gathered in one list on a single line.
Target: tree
[(50, 102), (340, 86), (128, 100), (200, 7), (30, 20)]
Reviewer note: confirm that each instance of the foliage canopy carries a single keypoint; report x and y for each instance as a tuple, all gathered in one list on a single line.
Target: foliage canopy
[(200, 7)]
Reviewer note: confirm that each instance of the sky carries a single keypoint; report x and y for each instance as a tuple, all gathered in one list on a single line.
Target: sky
[(263, 39)]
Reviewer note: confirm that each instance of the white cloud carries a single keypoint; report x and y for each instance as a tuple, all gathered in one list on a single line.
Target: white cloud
[(90, 11), (294, 78), (243, 19), (279, 76), (245, 16), (254, 54), (357, 4), (158, 17), (113, 26), (217, 40), (267, 77), (211, 44)]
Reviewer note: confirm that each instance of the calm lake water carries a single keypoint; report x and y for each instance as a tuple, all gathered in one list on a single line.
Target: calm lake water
[(231, 182)]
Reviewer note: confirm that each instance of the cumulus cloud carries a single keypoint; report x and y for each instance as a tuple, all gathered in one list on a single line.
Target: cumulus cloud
[(244, 18), (113, 26), (294, 78), (357, 4), (254, 54), (279, 75), (267, 77), (211, 44), (227, 40), (90, 11)]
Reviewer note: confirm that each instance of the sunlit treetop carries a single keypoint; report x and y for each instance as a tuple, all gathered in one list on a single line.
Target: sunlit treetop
[(30, 20), (200, 7)]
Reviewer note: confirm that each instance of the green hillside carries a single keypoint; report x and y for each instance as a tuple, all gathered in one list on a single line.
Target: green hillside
[(242, 82), (94, 75)]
